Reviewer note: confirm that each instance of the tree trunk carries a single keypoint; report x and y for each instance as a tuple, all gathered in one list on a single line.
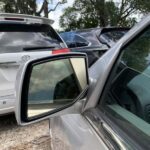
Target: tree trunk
[(46, 9), (101, 12)]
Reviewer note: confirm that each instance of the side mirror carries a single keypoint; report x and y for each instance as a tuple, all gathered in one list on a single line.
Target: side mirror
[(49, 85)]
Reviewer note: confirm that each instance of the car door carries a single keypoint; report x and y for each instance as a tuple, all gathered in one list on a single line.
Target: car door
[(94, 111), (122, 113)]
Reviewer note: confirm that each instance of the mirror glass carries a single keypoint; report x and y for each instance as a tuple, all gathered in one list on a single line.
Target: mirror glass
[(55, 84)]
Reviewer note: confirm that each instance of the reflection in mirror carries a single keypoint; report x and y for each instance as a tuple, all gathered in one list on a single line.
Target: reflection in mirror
[(55, 84)]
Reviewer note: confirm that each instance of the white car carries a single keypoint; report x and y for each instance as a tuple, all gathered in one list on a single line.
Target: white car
[(22, 37)]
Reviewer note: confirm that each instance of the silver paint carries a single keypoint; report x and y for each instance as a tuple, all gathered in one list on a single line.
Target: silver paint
[(74, 129)]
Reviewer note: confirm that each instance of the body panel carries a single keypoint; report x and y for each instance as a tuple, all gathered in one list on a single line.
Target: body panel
[(74, 133), (9, 65)]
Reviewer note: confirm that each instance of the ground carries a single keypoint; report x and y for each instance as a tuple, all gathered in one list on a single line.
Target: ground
[(31, 137)]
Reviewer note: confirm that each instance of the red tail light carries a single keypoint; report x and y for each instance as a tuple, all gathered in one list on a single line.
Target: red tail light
[(15, 19), (60, 51)]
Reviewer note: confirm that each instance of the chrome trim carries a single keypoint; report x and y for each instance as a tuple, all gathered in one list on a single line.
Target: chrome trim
[(114, 136), (109, 136)]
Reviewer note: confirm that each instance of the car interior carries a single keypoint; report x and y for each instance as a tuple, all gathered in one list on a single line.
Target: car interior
[(128, 92)]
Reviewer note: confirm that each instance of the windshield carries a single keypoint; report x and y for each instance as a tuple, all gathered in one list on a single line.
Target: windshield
[(14, 38)]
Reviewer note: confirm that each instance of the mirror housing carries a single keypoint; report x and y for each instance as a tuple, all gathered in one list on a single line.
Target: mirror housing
[(49, 85)]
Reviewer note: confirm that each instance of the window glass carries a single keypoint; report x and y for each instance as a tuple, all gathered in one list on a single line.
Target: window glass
[(114, 35), (67, 36), (51, 85), (90, 36), (16, 37), (129, 94), (55, 84), (78, 38), (74, 40)]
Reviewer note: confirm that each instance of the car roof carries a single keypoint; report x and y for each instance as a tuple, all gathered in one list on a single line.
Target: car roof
[(22, 18)]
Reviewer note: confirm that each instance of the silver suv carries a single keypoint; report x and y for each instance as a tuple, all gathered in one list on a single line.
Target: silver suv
[(22, 37)]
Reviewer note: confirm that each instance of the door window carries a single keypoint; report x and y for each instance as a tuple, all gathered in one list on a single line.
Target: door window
[(128, 97)]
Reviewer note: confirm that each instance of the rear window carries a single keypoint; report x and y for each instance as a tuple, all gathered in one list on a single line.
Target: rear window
[(74, 40), (16, 37), (113, 35), (90, 36)]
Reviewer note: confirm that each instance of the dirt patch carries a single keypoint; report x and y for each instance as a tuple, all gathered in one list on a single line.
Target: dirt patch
[(41, 143), (31, 137)]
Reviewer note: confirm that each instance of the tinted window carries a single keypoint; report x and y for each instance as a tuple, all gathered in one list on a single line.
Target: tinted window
[(129, 96), (67, 36), (78, 38), (91, 37), (74, 40), (13, 38), (113, 35)]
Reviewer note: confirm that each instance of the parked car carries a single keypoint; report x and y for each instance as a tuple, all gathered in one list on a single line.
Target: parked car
[(22, 37), (93, 41), (107, 107)]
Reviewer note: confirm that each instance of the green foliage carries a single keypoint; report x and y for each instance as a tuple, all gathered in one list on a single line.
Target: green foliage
[(74, 19), (142, 5), (9, 5), (94, 13), (78, 16), (19, 6), (28, 6)]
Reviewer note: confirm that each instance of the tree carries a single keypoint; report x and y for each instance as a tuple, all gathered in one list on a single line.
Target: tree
[(19, 6), (45, 7), (29, 6), (94, 13), (142, 5)]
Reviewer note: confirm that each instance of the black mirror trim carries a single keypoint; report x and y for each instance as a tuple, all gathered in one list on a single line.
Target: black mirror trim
[(24, 91)]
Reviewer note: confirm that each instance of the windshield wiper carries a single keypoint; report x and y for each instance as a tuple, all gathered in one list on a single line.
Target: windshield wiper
[(36, 48)]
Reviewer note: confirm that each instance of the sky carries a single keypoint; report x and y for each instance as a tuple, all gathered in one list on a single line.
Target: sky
[(55, 15)]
